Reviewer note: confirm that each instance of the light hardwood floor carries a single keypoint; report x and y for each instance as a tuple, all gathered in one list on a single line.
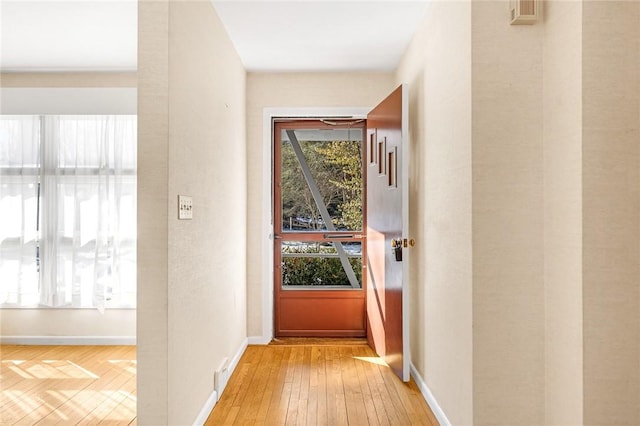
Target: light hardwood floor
[(318, 383), (296, 381), (68, 385)]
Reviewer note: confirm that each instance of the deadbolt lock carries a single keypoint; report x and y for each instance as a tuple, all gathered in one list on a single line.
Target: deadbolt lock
[(403, 242)]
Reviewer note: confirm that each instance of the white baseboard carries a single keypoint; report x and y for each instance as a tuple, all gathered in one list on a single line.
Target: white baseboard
[(428, 396), (203, 415), (68, 340), (235, 360), (214, 397), (259, 340)]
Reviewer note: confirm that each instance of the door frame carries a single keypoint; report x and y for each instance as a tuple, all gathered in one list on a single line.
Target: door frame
[(328, 311), (268, 114)]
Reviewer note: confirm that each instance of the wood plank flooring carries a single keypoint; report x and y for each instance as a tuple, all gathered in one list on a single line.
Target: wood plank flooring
[(318, 383), (293, 382), (69, 385)]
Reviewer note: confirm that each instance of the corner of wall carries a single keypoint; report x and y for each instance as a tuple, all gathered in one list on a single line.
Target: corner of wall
[(437, 67)]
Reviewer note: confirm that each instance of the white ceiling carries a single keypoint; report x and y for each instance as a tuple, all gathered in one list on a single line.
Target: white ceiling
[(80, 35), (320, 35), (302, 35)]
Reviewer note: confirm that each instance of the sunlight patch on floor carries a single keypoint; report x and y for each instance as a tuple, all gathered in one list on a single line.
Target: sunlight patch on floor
[(372, 359)]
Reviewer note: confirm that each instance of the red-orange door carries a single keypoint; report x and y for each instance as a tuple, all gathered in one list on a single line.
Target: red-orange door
[(387, 231), (319, 228)]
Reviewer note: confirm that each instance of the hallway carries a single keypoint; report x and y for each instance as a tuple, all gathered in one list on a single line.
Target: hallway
[(318, 382)]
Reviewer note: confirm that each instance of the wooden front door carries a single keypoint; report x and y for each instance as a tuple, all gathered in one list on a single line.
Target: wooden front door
[(319, 221), (387, 231)]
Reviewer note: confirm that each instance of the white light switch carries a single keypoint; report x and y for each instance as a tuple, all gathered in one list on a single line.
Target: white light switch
[(185, 207)]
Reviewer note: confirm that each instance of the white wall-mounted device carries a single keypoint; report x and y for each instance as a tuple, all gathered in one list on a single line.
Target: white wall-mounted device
[(185, 207), (524, 12)]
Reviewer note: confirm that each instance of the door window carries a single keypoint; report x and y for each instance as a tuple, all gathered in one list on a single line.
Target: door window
[(319, 205)]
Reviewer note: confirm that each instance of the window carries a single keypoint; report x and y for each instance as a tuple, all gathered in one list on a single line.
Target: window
[(68, 211)]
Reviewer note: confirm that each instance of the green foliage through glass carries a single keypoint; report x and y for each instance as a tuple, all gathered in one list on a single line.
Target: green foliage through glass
[(336, 167), (317, 271)]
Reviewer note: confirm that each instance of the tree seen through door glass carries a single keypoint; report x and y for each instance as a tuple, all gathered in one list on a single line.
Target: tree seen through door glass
[(318, 264), (334, 159)]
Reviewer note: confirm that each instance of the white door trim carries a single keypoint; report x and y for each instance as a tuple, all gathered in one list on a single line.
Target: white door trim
[(267, 198)]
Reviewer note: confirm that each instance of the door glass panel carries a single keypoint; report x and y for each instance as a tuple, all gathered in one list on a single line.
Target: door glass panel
[(334, 161), (318, 264)]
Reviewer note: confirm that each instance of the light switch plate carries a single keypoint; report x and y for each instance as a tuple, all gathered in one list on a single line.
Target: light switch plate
[(185, 207)]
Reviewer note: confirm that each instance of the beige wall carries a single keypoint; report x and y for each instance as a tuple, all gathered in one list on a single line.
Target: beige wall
[(191, 273), (555, 220), (271, 90), (440, 205), (562, 98), (611, 211), (153, 212), (508, 287), (71, 324), (592, 212), (478, 324)]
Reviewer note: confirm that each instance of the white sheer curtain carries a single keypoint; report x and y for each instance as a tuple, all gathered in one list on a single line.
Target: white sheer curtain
[(88, 211), (19, 176)]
